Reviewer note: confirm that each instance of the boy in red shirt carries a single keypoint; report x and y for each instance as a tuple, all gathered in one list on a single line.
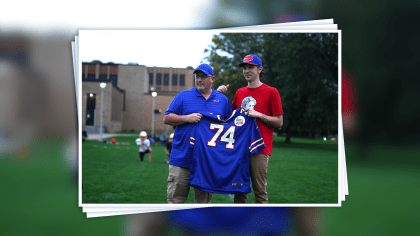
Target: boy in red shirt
[(264, 103)]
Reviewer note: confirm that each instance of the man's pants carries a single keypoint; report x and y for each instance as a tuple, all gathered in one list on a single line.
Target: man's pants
[(258, 170), (178, 187)]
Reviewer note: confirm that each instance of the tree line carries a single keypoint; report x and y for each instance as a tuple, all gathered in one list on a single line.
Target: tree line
[(302, 66)]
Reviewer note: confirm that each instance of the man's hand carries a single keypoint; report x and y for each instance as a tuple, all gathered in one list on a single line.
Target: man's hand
[(194, 117), (222, 89)]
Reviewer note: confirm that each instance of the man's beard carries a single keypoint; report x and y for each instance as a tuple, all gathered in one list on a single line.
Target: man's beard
[(201, 89)]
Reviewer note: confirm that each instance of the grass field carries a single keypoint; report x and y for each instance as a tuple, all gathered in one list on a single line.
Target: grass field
[(305, 171), (40, 194)]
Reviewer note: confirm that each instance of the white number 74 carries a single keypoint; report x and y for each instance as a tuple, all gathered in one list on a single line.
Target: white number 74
[(228, 137)]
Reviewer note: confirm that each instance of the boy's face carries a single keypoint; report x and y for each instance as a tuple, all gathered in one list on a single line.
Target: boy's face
[(170, 140), (251, 72), (143, 138)]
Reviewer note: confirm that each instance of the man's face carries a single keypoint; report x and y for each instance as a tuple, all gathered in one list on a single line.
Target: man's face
[(203, 82), (251, 72)]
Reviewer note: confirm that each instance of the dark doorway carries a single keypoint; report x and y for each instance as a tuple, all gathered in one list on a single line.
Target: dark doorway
[(90, 109)]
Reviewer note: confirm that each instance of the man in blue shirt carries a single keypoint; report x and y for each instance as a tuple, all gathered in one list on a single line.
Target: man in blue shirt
[(184, 112)]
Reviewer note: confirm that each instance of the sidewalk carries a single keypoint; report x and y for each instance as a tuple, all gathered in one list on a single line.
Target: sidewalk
[(108, 135)]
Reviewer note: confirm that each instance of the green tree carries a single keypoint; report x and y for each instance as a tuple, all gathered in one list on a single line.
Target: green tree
[(225, 54), (302, 66)]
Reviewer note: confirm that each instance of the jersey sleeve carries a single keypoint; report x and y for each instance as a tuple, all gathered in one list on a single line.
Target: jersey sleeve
[(255, 139), (275, 103), (228, 109), (192, 136), (176, 105)]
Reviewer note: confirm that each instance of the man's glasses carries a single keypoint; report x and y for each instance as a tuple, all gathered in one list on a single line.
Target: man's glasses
[(202, 76)]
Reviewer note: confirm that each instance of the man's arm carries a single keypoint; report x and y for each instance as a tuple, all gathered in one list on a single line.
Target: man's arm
[(273, 121), (174, 119), (223, 88)]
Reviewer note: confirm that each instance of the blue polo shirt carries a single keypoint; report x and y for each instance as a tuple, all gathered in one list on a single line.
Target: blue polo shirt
[(188, 102)]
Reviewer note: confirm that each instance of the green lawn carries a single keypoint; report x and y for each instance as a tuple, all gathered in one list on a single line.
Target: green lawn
[(305, 171), (40, 193)]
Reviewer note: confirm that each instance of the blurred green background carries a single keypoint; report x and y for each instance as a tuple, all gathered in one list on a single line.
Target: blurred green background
[(380, 52)]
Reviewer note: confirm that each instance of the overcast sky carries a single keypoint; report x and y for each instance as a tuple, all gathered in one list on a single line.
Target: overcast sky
[(160, 48), (45, 15)]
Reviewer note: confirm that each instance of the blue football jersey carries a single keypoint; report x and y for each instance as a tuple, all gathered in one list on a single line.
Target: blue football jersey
[(221, 152)]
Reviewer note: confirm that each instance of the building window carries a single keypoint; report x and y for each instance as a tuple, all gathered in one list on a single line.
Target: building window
[(182, 80), (91, 76), (166, 79), (174, 79), (158, 79), (151, 78), (113, 79), (102, 77)]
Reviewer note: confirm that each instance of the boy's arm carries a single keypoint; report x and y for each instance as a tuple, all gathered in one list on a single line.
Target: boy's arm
[(273, 121)]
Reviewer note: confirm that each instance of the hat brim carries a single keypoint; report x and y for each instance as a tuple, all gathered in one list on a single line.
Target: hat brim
[(207, 73), (242, 64)]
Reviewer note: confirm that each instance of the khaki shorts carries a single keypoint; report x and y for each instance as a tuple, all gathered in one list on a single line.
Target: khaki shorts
[(178, 187)]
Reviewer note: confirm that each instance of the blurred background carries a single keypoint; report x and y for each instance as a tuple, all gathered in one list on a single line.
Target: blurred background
[(38, 121)]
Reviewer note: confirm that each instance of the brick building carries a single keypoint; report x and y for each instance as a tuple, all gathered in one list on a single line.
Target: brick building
[(127, 96)]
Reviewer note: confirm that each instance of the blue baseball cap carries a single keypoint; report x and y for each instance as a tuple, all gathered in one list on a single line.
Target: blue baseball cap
[(252, 60), (206, 69)]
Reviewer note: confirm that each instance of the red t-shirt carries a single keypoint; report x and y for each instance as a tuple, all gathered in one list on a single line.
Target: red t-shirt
[(348, 101), (268, 103)]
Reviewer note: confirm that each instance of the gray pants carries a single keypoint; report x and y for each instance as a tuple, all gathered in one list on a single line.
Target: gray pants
[(178, 187)]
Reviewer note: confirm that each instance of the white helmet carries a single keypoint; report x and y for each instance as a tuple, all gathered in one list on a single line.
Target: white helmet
[(171, 135), (143, 134)]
